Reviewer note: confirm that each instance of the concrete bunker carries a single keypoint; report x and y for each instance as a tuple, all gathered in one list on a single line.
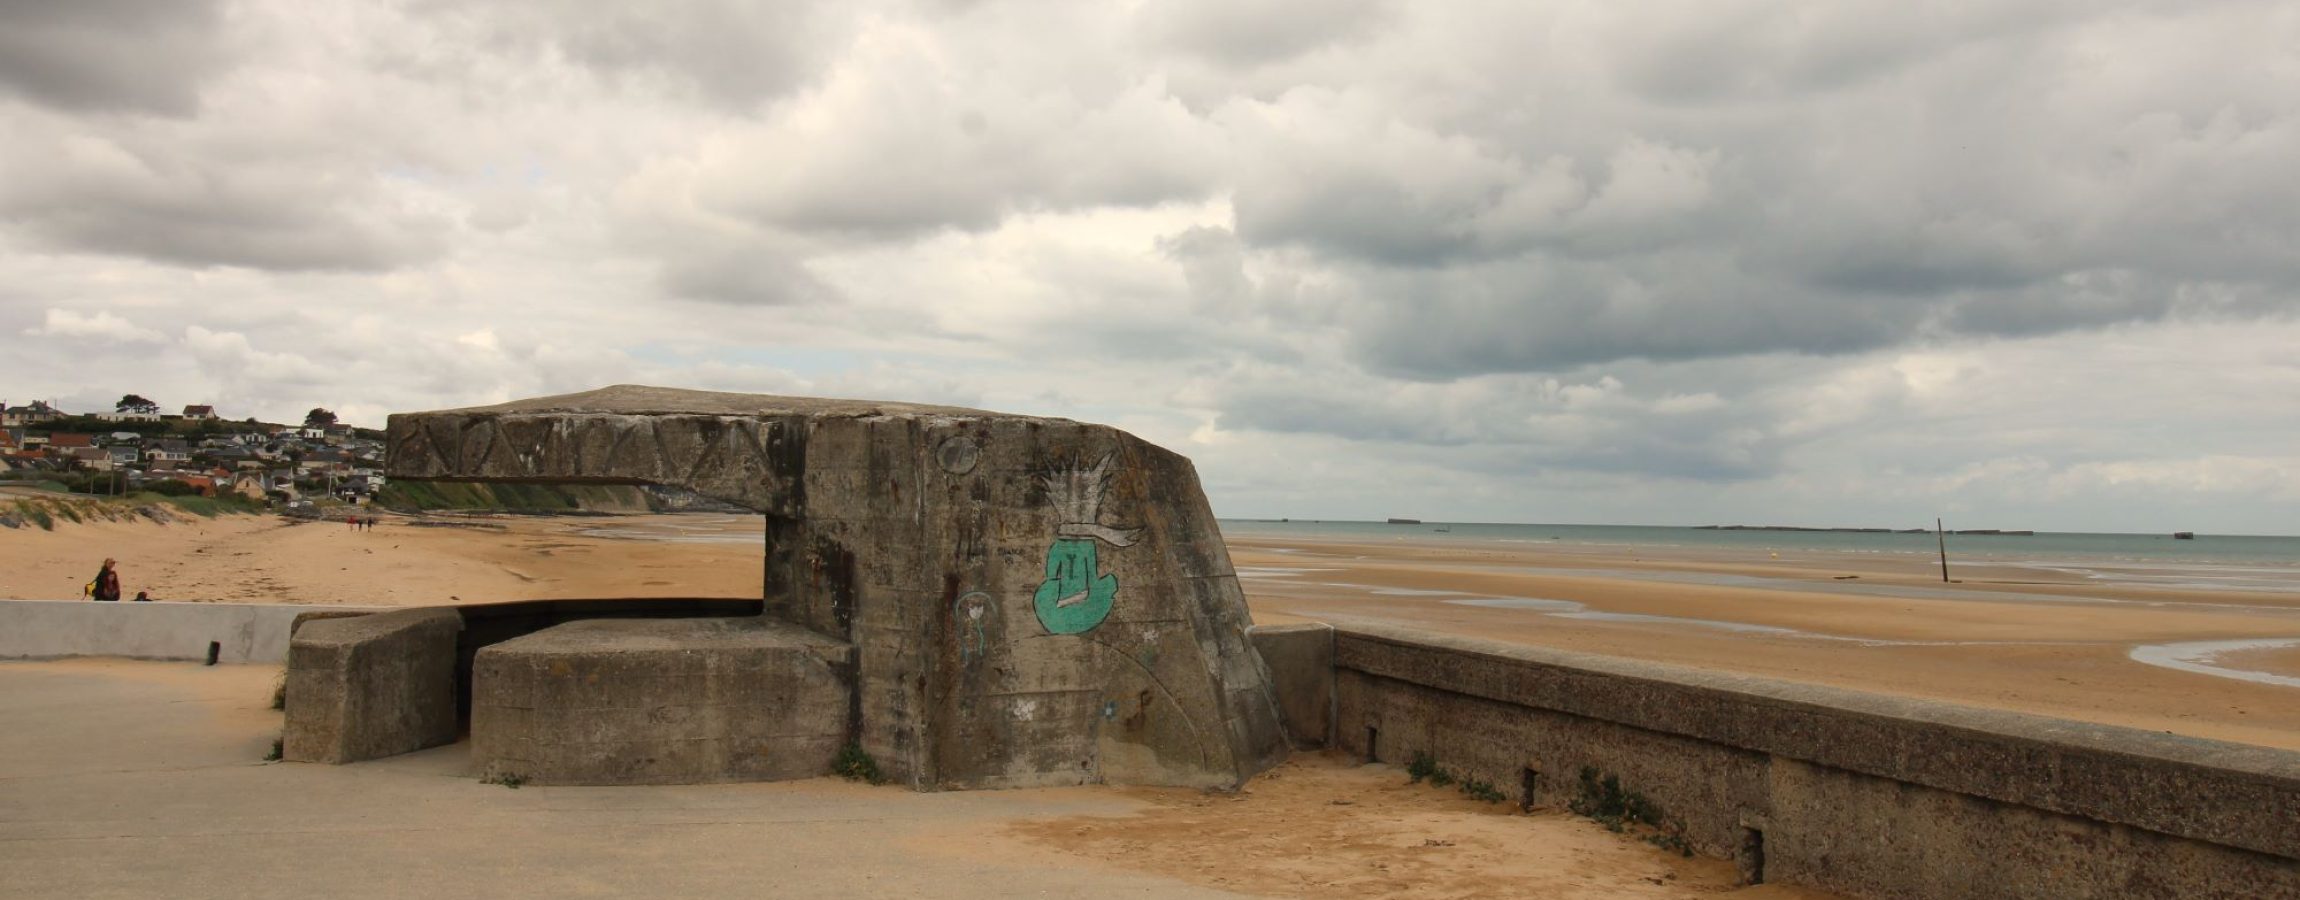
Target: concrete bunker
[(976, 600)]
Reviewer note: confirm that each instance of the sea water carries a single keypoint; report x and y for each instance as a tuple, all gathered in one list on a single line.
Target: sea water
[(2209, 562), (2043, 544)]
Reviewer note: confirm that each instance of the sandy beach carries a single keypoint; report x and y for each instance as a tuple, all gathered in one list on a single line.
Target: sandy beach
[(2226, 664), (2010, 637)]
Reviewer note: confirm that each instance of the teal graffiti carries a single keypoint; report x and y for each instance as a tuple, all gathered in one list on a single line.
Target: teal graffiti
[(1075, 596)]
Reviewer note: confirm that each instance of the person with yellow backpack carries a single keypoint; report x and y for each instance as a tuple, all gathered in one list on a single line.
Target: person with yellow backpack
[(107, 583)]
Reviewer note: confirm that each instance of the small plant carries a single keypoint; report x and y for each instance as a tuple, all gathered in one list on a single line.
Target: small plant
[(1423, 766), (279, 692), (1671, 839), (275, 753), (1481, 790), (854, 764), (506, 779), (1620, 810)]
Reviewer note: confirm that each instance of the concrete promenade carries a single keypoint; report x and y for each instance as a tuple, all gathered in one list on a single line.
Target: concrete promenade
[(143, 779)]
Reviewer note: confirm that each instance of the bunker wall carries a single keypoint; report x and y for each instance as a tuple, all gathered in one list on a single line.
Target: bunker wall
[(671, 701), (1030, 601), (1301, 663), (371, 686)]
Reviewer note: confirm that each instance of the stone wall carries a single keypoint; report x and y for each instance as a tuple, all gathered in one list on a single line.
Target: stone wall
[(1868, 795)]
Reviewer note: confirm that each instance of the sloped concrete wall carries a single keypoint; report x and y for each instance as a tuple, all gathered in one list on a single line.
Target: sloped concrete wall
[(1868, 795), (1032, 601), (1301, 663)]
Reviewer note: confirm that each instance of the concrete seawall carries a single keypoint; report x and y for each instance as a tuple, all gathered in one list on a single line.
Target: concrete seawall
[(243, 632), (1869, 795)]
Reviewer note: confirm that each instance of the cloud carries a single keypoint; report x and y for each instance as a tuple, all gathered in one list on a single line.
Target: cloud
[(1246, 33), (1710, 261), (1572, 220), (731, 53), (230, 357), (1517, 424), (103, 325), (907, 139), (158, 194), (111, 55), (2226, 476), (1690, 53), (742, 273)]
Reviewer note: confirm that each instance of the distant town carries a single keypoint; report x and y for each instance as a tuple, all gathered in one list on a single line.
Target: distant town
[(136, 447)]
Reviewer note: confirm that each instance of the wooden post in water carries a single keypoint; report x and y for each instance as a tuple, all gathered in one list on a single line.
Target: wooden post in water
[(1942, 535)]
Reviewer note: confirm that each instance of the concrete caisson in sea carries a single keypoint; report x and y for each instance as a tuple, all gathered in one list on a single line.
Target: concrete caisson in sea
[(968, 599)]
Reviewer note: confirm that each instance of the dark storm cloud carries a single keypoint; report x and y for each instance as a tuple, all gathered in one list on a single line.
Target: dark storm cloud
[(110, 55), (156, 198), (1971, 173), (1522, 426), (1547, 314)]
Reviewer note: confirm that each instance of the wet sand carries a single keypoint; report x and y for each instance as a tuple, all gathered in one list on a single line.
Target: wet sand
[(2008, 637), (2030, 640)]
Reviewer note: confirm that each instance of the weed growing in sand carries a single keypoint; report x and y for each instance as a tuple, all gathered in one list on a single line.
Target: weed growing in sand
[(275, 753), (1424, 767), (1621, 810), (1481, 790), (853, 764), (279, 692), (506, 779)]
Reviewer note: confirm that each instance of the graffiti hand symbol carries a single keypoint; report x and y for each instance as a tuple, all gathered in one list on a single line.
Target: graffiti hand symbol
[(1074, 597)]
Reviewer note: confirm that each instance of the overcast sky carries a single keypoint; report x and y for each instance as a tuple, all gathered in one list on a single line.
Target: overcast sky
[(1854, 262)]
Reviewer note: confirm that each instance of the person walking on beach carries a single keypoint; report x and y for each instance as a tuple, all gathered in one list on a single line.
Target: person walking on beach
[(107, 582)]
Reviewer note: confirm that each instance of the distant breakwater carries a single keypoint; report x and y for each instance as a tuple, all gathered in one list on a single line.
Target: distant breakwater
[(1970, 531)]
